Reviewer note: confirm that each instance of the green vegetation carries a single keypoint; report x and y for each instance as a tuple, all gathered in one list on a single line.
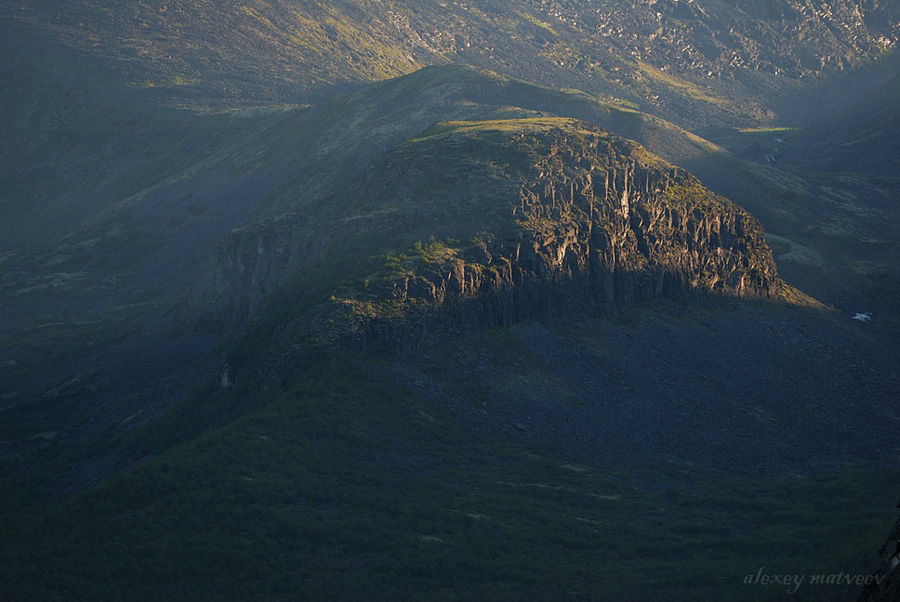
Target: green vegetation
[(535, 21), (337, 484), (298, 469), (681, 85), (69, 336), (768, 130)]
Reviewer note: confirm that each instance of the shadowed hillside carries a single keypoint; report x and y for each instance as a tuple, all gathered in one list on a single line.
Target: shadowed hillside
[(277, 323)]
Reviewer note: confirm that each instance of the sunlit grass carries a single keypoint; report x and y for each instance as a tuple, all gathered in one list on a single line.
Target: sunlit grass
[(680, 85), (767, 130), (535, 21), (528, 124)]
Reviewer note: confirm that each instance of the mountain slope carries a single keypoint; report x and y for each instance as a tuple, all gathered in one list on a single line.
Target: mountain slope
[(338, 484), (448, 335), (543, 204), (704, 62), (219, 233), (864, 139), (848, 162)]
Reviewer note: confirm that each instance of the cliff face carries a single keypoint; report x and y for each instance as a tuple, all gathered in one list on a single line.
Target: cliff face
[(884, 585), (526, 218), (250, 263)]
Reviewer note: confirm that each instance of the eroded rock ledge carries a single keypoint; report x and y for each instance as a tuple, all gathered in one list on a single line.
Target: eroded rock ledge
[(525, 218), (597, 222)]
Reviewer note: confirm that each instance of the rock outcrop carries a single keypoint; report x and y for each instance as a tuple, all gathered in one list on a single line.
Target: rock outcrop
[(595, 222), (527, 218), (251, 262), (885, 582)]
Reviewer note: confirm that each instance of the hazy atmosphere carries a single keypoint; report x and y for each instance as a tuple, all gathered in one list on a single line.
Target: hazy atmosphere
[(483, 300)]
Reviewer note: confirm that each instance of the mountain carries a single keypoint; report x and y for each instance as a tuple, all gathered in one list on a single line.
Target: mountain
[(863, 139), (451, 334), (232, 204), (846, 162), (703, 62), (237, 221), (883, 584), (481, 399)]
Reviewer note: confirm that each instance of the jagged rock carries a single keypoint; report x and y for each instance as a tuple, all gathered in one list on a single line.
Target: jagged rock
[(885, 586), (535, 217)]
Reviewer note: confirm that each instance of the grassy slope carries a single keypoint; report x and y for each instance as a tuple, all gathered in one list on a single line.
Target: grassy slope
[(199, 492), (829, 202), (335, 484), (89, 290)]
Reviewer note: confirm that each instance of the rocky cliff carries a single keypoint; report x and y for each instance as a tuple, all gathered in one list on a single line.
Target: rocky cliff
[(523, 218), (884, 584), (596, 221), (251, 262)]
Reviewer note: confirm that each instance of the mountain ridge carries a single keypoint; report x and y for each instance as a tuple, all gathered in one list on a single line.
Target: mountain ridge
[(451, 334), (260, 52)]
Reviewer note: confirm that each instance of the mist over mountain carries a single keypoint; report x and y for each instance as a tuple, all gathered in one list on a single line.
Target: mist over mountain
[(447, 300)]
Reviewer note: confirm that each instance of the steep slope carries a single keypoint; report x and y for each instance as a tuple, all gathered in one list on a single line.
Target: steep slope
[(86, 313), (863, 139), (703, 62), (534, 214), (443, 336), (333, 482)]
